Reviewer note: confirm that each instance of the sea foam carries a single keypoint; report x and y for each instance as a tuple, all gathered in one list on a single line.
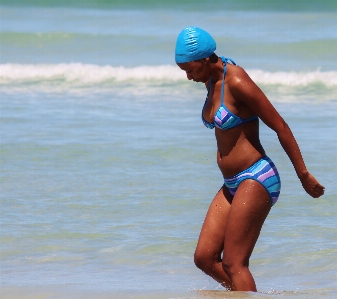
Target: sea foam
[(78, 73)]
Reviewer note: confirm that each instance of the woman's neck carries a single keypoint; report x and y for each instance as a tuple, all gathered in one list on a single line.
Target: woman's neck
[(217, 70)]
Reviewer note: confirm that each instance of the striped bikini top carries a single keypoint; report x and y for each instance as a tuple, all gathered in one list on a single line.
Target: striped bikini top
[(223, 118)]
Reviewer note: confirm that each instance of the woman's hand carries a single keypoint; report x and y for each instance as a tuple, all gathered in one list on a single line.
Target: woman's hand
[(311, 185)]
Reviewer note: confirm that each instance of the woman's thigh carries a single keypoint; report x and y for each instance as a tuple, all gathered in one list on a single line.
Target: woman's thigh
[(212, 235), (249, 209)]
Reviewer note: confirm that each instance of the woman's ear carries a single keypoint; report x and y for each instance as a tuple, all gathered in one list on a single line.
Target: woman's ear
[(205, 61)]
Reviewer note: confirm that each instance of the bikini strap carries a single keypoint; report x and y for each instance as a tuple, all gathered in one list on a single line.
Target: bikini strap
[(223, 85), (209, 85), (225, 61)]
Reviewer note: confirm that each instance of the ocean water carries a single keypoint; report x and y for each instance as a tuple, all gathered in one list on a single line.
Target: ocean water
[(107, 170)]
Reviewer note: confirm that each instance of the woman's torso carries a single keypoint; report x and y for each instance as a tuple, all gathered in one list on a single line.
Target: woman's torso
[(238, 147)]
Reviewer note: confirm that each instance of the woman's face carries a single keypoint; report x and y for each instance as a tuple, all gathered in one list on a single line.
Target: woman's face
[(198, 71)]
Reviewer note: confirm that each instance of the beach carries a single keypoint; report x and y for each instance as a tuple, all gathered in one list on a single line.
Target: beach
[(107, 170)]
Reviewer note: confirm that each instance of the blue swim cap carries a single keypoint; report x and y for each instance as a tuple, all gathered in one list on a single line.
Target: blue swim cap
[(194, 43)]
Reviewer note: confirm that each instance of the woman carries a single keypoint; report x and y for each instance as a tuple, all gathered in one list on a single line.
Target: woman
[(251, 187)]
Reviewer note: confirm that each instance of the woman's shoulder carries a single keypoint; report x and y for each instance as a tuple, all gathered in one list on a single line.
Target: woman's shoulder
[(235, 70), (239, 81), (236, 74)]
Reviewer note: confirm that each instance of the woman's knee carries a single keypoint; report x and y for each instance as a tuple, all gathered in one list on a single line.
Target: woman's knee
[(232, 266), (200, 260), (227, 266), (204, 261)]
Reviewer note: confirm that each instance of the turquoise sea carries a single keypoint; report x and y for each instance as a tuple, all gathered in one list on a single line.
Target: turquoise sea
[(107, 170)]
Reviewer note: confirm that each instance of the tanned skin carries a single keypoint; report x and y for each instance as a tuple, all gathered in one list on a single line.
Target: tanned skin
[(233, 224)]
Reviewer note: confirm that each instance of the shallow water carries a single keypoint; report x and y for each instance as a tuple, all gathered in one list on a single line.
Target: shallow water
[(107, 170)]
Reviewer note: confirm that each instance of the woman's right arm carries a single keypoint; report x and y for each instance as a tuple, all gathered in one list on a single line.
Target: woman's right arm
[(290, 146), (246, 91)]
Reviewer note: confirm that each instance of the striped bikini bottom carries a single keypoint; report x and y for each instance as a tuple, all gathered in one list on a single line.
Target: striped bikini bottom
[(264, 172)]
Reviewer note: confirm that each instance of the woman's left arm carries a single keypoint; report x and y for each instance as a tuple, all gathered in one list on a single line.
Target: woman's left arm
[(245, 90)]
